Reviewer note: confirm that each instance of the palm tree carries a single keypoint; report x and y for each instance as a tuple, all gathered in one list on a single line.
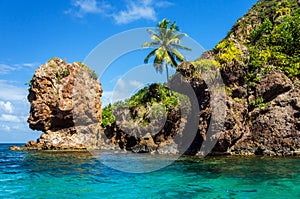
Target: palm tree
[(166, 41)]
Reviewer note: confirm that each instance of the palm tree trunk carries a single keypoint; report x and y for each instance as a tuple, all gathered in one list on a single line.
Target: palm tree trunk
[(167, 71)]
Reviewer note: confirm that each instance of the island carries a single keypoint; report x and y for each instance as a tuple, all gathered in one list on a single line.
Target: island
[(258, 61)]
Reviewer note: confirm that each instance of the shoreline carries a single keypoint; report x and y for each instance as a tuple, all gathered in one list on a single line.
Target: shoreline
[(120, 151)]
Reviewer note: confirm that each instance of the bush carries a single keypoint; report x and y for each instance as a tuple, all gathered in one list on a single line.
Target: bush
[(227, 52), (153, 98)]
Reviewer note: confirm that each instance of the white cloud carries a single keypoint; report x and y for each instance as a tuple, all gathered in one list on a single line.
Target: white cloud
[(10, 92), (82, 7), (106, 98), (132, 11), (121, 84), (162, 4), (5, 127), (10, 118), (136, 10), (6, 107), (30, 65), (5, 69), (136, 84)]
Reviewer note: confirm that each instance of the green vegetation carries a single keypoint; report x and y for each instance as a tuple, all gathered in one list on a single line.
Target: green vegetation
[(150, 101), (166, 41), (271, 33), (108, 117), (227, 52), (29, 84), (55, 59), (60, 74), (92, 73), (257, 103), (275, 41)]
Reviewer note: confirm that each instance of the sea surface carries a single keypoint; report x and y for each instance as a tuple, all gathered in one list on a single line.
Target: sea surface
[(52, 174)]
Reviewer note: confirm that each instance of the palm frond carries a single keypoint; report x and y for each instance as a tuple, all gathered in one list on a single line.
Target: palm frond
[(154, 35), (156, 38), (180, 47), (181, 35), (152, 53), (151, 44), (166, 39), (170, 34), (172, 60), (160, 53), (174, 27), (178, 55), (176, 39)]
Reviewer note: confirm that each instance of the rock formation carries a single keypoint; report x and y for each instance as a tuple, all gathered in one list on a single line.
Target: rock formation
[(147, 127), (65, 106), (259, 64)]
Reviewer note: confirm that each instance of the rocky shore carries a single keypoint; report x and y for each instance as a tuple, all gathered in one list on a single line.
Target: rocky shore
[(260, 76), (272, 129)]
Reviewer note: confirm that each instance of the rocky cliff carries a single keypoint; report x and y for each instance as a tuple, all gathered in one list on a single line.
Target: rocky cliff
[(259, 64), (65, 106)]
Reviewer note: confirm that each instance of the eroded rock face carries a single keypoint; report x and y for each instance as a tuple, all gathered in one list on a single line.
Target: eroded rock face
[(273, 85), (275, 129), (159, 136), (65, 105), (271, 127)]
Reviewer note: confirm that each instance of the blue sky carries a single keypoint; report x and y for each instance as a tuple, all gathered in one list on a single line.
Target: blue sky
[(33, 31)]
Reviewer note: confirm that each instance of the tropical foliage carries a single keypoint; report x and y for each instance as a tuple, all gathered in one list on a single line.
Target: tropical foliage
[(154, 97), (166, 40), (272, 38)]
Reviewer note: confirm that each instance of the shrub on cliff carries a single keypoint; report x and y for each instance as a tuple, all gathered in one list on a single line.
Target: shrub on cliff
[(154, 97), (271, 33)]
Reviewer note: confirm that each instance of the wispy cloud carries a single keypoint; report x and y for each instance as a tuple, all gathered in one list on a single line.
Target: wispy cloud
[(121, 84), (5, 69), (5, 127), (10, 118), (132, 10), (106, 98), (30, 65), (10, 92), (136, 10), (6, 107), (136, 84), (82, 7)]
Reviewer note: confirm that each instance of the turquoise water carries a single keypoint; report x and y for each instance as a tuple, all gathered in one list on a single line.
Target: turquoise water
[(79, 175)]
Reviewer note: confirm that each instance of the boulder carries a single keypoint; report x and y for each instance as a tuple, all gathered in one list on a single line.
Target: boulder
[(65, 106), (272, 85)]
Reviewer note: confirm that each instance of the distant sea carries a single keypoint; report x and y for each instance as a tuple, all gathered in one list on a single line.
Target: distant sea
[(38, 174)]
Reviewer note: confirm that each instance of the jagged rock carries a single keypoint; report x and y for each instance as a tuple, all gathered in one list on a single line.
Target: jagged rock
[(273, 85), (144, 139), (65, 105), (275, 130), (168, 148), (15, 148)]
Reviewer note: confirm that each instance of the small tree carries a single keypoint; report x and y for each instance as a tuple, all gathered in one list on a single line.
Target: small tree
[(166, 41)]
